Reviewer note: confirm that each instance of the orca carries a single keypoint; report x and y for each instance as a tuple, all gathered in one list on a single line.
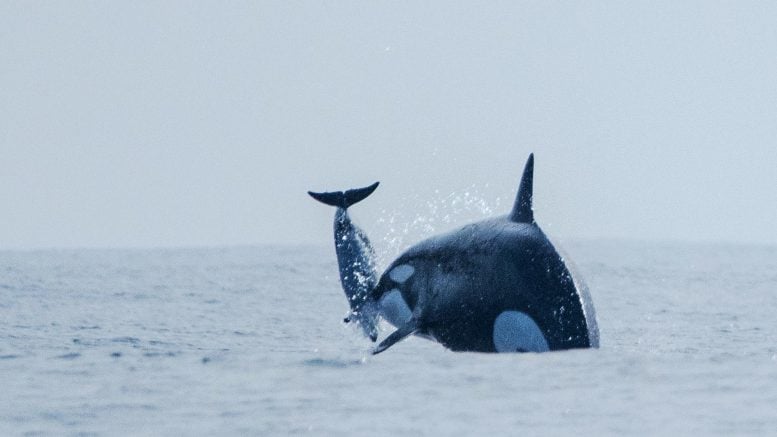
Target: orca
[(498, 285)]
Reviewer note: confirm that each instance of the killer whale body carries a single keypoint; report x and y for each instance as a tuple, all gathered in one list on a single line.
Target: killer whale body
[(498, 285), (465, 280), (355, 257)]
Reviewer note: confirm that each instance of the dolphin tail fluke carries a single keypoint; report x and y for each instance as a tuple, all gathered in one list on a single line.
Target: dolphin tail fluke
[(409, 328), (344, 199), (522, 210)]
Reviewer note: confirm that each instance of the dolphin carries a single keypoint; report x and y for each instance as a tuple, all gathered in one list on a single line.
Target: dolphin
[(355, 257), (498, 285)]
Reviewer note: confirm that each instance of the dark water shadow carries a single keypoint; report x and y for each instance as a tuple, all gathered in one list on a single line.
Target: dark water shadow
[(129, 340), (333, 363), (158, 354), (68, 356)]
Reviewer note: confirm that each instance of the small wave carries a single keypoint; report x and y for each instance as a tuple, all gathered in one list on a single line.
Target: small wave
[(160, 343), (130, 340), (332, 363), (114, 407), (68, 356), (160, 354), (244, 334)]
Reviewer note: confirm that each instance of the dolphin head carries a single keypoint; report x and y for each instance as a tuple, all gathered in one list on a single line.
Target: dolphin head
[(366, 317)]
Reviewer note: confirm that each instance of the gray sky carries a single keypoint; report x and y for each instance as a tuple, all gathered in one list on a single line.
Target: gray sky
[(181, 123)]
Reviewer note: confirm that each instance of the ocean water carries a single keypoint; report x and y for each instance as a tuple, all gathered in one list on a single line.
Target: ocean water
[(250, 341)]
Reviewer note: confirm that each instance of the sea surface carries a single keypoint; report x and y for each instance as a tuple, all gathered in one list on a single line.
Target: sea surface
[(250, 341)]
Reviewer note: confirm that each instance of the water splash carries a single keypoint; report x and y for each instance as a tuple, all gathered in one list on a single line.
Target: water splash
[(421, 216)]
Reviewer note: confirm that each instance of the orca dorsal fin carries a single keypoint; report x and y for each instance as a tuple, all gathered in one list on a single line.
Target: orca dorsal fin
[(522, 210)]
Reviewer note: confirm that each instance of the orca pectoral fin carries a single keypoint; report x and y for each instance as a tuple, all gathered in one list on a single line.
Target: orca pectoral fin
[(411, 327)]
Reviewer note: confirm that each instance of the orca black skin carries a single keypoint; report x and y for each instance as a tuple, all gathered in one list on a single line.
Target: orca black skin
[(497, 285)]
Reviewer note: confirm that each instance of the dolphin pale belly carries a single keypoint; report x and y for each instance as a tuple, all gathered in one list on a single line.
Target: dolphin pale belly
[(498, 285)]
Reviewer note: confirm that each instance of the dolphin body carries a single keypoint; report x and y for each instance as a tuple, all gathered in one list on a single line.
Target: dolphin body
[(355, 258), (497, 285)]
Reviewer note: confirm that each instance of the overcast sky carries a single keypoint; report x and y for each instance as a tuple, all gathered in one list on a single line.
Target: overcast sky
[(134, 124)]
